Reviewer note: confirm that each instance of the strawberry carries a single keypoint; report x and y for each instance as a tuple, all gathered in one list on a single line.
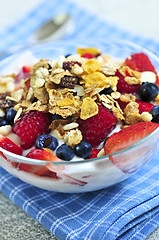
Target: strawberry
[(143, 106), (140, 62), (87, 55), (10, 146), (124, 87), (49, 170), (30, 126), (94, 153), (95, 129), (23, 74), (129, 162), (40, 170)]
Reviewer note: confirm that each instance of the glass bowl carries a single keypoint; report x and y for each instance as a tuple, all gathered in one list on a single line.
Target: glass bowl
[(81, 175)]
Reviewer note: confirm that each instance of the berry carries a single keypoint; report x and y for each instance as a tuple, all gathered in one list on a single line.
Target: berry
[(139, 62), (124, 87), (65, 152), (40, 170), (148, 91), (69, 64), (3, 122), (46, 141), (95, 129), (94, 153), (10, 146), (87, 55), (144, 106), (23, 74), (126, 138), (30, 126), (11, 115), (155, 114), (83, 149)]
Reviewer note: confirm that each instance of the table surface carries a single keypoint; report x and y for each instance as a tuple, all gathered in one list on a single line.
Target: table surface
[(138, 16)]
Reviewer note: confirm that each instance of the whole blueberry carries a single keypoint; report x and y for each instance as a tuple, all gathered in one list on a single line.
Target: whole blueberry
[(83, 149), (11, 115), (65, 152), (155, 114), (3, 122), (148, 91), (46, 141)]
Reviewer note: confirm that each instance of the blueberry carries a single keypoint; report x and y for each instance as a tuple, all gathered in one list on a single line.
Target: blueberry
[(148, 91), (3, 122), (83, 149), (67, 55), (55, 117), (155, 114), (46, 141), (106, 91), (11, 115), (65, 152)]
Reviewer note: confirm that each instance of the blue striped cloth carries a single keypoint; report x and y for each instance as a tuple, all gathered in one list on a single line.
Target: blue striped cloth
[(128, 210)]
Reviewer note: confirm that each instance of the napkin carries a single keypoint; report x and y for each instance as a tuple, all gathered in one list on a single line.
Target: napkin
[(127, 210)]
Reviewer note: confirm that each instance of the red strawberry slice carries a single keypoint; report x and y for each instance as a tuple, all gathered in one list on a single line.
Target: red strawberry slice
[(10, 146), (87, 55), (30, 126), (48, 169), (40, 170), (95, 129), (131, 160), (140, 62), (94, 153)]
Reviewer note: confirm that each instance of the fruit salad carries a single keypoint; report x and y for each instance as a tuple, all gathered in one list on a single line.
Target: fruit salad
[(68, 112)]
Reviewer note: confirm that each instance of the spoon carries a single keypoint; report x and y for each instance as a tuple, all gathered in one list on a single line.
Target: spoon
[(53, 30)]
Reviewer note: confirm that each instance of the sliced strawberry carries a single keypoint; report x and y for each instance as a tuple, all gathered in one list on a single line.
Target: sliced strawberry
[(48, 169), (40, 170), (10, 146), (131, 161), (87, 55), (140, 62), (94, 153)]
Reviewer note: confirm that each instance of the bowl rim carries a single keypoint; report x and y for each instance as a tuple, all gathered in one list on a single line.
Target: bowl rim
[(23, 159)]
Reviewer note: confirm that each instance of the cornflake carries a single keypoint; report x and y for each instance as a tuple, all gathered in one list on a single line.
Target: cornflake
[(88, 109)]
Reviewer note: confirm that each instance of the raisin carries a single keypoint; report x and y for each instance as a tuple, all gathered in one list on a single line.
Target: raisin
[(69, 81), (68, 65)]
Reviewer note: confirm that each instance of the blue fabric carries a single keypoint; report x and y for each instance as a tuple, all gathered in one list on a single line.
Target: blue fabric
[(128, 210)]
